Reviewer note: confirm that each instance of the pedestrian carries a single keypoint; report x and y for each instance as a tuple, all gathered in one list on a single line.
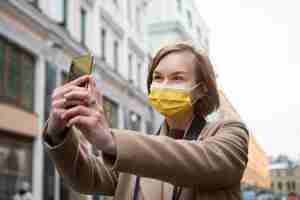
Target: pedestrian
[(23, 192), (292, 196), (189, 158)]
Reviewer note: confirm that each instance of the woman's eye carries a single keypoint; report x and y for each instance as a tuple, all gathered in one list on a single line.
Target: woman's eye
[(156, 77), (178, 78)]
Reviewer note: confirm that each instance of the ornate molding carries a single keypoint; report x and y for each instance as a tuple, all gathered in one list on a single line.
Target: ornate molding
[(109, 19)]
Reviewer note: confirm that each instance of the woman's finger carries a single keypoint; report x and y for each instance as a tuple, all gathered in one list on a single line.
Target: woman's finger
[(63, 103), (59, 103), (57, 113), (76, 111), (77, 95), (81, 121), (61, 91), (79, 81), (71, 103)]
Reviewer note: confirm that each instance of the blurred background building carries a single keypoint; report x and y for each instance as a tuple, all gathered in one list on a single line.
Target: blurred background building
[(285, 175), (38, 38), (256, 176)]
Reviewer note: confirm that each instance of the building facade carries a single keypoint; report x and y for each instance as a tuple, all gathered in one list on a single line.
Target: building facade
[(285, 175), (38, 38)]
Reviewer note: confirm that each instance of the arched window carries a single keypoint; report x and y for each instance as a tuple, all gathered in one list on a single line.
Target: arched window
[(288, 186), (279, 185), (293, 186), (272, 185)]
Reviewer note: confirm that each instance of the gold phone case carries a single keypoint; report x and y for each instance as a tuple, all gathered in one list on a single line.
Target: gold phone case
[(80, 66)]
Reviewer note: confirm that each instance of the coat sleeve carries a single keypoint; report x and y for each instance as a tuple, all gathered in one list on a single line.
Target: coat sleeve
[(214, 163), (84, 171)]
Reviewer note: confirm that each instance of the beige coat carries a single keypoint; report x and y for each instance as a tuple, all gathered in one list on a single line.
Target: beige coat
[(209, 168)]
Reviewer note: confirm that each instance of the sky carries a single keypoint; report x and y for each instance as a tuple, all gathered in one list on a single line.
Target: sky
[(255, 46)]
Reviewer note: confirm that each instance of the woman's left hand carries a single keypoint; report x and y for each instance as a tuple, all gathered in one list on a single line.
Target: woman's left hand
[(89, 117)]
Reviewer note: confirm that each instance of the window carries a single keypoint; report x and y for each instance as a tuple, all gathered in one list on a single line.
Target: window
[(50, 86), (138, 19), (97, 197), (27, 86), (83, 26), (62, 8), (179, 6), (129, 11), (17, 75), (293, 186), (116, 55), (116, 3), (288, 186), (149, 127), (130, 70), (139, 75), (35, 3), (135, 121), (189, 17), (111, 111), (279, 186), (103, 44), (14, 74), (272, 185)]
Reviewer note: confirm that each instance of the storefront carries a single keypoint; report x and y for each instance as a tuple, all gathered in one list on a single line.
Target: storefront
[(15, 163)]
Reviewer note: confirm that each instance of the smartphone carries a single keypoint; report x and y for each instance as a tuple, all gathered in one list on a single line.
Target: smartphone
[(80, 66)]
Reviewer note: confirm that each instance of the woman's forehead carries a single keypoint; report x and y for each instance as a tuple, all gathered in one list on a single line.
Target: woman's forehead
[(177, 62)]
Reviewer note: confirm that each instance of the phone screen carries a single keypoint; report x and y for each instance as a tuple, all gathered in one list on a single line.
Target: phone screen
[(80, 66)]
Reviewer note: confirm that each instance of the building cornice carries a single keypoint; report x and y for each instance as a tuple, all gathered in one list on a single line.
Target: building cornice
[(176, 26), (109, 19), (42, 23), (136, 48)]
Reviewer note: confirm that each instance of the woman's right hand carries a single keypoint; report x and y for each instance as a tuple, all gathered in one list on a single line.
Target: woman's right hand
[(59, 105)]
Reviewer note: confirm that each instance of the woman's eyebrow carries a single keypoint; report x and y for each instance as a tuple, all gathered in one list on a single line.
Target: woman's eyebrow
[(156, 73), (172, 73), (179, 73)]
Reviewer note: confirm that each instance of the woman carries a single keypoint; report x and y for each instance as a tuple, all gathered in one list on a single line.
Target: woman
[(188, 159)]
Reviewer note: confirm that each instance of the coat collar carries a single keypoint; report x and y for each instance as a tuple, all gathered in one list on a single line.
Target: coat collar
[(193, 132)]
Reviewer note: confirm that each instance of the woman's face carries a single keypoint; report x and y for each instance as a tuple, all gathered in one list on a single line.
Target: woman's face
[(176, 68)]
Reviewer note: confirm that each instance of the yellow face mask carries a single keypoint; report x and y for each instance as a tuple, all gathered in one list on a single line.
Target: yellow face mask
[(171, 100)]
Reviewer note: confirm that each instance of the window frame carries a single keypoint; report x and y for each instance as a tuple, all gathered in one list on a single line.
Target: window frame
[(103, 44), (116, 47), (21, 53), (130, 68), (83, 26)]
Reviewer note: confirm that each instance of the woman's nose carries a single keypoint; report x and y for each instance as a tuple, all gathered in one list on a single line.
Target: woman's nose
[(166, 81)]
